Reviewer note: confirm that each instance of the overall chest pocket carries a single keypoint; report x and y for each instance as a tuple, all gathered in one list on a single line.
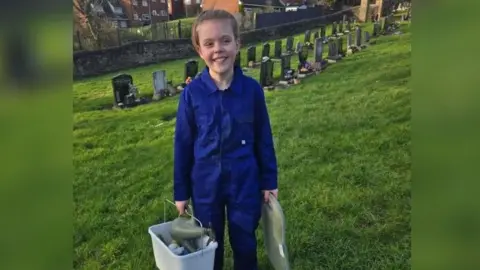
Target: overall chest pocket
[(244, 126)]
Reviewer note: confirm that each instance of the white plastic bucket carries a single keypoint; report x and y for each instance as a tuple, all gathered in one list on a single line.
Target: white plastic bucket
[(165, 259)]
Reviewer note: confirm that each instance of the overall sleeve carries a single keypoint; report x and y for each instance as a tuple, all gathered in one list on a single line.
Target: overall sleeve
[(183, 149), (264, 148)]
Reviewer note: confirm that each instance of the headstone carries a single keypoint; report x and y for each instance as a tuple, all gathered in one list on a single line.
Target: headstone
[(266, 72), (384, 25), (340, 28), (333, 51), (238, 59), (318, 50), (160, 86), (191, 69), (349, 41), (252, 54), (334, 29), (323, 32), (344, 19), (307, 36), (299, 46), (349, 26), (376, 31), (340, 47), (303, 55), (358, 37), (285, 62), (278, 48), (121, 88), (315, 35), (289, 44), (367, 37), (266, 50)]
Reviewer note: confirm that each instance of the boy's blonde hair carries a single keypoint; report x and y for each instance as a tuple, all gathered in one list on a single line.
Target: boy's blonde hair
[(213, 14)]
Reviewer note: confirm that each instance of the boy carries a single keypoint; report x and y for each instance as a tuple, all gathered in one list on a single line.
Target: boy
[(224, 153)]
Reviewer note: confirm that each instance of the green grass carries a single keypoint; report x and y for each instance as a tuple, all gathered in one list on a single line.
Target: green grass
[(343, 146)]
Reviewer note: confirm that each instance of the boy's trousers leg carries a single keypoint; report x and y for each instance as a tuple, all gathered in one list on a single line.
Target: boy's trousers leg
[(242, 223), (215, 215)]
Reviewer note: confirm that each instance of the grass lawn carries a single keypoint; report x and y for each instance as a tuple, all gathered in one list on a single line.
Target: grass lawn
[(343, 145)]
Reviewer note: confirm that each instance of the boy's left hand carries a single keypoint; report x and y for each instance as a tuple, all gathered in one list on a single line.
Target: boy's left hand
[(266, 194)]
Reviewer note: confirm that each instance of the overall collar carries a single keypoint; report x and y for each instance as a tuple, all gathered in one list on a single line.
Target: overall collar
[(235, 86)]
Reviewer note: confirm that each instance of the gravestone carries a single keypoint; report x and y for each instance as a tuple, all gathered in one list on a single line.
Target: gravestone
[(344, 19), (191, 69), (238, 60), (160, 87), (299, 46), (122, 85), (323, 34), (307, 36), (286, 70), (266, 50), (340, 28), (376, 30), (367, 37), (334, 29), (319, 63), (252, 54), (266, 72), (278, 48), (340, 50), (303, 56), (358, 37), (333, 51), (349, 26), (289, 45), (315, 35), (350, 41)]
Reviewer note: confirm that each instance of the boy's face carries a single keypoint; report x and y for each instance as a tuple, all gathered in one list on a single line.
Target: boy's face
[(218, 47)]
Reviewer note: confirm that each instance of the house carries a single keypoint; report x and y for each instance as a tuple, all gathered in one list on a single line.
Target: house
[(145, 12)]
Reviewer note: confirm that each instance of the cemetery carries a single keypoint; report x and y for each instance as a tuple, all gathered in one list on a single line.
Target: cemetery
[(339, 103)]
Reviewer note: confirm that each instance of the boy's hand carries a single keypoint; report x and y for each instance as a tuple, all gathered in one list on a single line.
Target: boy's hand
[(266, 194), (181, 206)]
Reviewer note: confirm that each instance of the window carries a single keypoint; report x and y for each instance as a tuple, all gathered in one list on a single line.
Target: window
[(123, 24), (145, 17), (144, 3), (154, 13), (163, 13), (134, 2), (154, 1), (162, 1), (135, 16)]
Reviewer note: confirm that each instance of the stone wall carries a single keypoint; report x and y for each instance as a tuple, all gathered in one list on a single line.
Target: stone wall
[(93, 63)]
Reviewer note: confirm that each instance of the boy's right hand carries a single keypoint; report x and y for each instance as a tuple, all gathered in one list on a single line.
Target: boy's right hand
[(181, 206)]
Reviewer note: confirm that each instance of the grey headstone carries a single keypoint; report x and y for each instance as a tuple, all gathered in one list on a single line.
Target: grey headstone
[(252, 54), (340, 46), (318, 50), (367, 37), (278, 48), (286, 65), (299, 46), (191, 69), (266, 72), (358, 37), (121, 87), (266, 50), (289, 44), (159, 83), (315, 35), (307, 36), (303, 55), (349, 26), (349, 40), (340, 27), (334, 28)]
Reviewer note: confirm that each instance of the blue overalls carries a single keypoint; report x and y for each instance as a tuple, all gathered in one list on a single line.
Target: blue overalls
[(224, 157)]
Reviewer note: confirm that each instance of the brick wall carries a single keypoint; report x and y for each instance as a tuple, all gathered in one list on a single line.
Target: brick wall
[(92, 63)]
